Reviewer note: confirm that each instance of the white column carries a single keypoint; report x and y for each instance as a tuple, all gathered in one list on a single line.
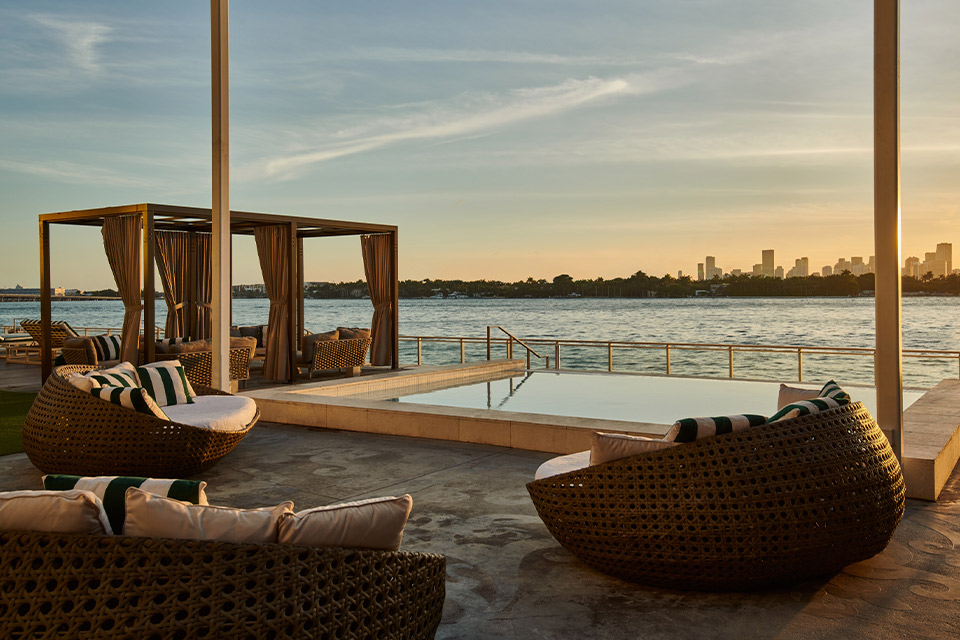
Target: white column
[(219, 59), (886, 218)]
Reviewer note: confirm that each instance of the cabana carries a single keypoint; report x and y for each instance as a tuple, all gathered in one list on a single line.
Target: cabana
[(178, 239)]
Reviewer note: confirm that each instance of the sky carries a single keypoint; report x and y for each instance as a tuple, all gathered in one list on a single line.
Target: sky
[(506, 139)]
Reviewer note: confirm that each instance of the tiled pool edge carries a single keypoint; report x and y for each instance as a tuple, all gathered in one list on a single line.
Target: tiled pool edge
[(932, 424)]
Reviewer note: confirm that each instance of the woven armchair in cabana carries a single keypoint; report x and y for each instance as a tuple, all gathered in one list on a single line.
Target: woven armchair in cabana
[(198, 365), (769, 505), (58, 585), (70, 431), (346, 355)]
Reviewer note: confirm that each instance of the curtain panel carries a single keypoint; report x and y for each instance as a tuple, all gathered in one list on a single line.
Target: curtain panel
[(203, 286), (121, 242), (376, 265), (172, 256), (273, 248)]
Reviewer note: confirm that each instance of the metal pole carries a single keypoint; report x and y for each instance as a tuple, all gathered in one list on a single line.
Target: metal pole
[(488, 343), (730, 350), (463, 354), (799, 365), (886, 218), (219, 59), (556, 365), (46, 311), (510, 348), (419, 351), (668, 359), (610, 356)]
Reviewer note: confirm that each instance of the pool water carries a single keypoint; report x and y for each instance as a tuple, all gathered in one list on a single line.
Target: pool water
[(658, 400)]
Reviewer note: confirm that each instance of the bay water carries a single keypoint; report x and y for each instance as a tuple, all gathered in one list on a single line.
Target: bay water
[(928, 323)]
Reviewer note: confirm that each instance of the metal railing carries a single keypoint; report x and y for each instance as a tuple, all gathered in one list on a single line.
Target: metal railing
[(668, 349), (84, 331)]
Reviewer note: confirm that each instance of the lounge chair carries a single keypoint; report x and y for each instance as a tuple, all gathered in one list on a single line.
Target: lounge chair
[(71, 585), (769, 505), (70, 431), (29, 353)]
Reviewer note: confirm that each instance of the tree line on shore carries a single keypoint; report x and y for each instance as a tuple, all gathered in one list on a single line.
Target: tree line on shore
[(639, 285)]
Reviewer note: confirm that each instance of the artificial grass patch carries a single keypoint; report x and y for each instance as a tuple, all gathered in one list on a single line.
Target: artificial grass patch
[(13, 411)]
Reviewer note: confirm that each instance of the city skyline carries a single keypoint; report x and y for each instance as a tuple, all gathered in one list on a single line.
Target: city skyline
[(505, 140)]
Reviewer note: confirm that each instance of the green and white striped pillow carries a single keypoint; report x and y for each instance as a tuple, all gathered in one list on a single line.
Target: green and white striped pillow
[(166, 382), (107, 347), (805, 408), (112, 489), (691, 429), (833, 390), (113, 378), (169, 341), (135, 398)]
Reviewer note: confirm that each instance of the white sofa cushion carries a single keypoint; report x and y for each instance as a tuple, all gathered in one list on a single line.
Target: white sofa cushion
[(376, 523), (606, 447), (789, 395), (72, 511), (563, 464), (153, 516), (220, 413)]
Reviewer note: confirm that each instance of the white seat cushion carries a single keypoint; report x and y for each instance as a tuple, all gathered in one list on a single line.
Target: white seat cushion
[(563, 464), (220, 413)]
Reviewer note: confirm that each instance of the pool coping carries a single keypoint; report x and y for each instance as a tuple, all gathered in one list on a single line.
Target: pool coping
[(931, 424)]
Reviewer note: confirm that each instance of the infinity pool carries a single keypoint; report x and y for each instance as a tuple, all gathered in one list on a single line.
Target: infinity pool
[(651, 399)]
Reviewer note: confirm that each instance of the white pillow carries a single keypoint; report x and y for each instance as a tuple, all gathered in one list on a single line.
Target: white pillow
[(606, 447), (123, 374), (791, 395), (72, 511), (153, 516), (376, 523), (82, 382)]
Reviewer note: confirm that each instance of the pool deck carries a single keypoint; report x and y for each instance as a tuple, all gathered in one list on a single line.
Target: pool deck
[(508, 578), (931, 424)]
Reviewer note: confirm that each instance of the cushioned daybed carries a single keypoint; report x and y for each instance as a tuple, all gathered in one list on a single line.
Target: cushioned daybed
[(57, 585), (769, 505), (68, 430)]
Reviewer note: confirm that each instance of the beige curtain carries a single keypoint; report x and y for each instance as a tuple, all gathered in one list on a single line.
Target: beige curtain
[(273, 247), (203, 286), (376, 264), (172, 254), (121, 242)]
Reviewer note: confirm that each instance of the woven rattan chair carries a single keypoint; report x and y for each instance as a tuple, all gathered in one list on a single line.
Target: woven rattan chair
[(198, 365), (70, 431), (770, 505), (58, 585), (346, 355)]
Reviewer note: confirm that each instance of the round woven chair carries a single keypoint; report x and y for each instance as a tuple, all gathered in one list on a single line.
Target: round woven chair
[(70, 431), (58, 585), (770, 505)]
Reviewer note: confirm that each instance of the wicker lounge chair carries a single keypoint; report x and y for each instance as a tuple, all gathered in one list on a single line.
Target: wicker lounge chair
[(72, 586), (770, 505), (198, 365), (70, 431), (346, 355), (30, 353)]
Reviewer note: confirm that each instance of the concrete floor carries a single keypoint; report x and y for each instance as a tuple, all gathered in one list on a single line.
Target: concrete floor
[(507, 578)]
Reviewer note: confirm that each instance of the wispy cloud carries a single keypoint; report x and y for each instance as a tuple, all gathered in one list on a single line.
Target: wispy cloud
[(79, 38), (484, 114), (76, 173)]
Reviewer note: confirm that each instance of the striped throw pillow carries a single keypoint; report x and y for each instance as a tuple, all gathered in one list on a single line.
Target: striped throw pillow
[(169, 341), (135, 398), (805, 408), (690, 429), (166, 382), (833, 390), (107, 347), (113, 379), (112, 489)]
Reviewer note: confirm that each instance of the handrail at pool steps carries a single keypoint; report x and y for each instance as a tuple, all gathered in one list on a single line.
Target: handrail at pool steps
[(668, 349)]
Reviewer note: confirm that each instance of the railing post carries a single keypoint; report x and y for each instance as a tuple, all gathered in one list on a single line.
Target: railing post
[(510, 348), (546, 362), (488, 342), (463, 353), (799, 364), (556, 363), (668, 358), (610, 357), (419, 351), (528, 358), (730, 353)]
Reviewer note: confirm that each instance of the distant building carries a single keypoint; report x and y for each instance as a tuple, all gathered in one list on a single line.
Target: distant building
[(911, 267), (801, 268), (710, 270), (842, 265), (736, 272), (758, 269), (826, 271), (945, 254), (767, 261), (679, 274), (778, 273), (932, 264), (699, 271)]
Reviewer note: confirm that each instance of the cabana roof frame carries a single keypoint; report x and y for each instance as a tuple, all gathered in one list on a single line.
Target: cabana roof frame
[(162, 217)]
